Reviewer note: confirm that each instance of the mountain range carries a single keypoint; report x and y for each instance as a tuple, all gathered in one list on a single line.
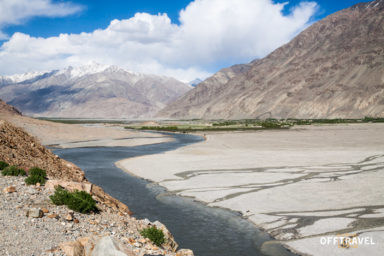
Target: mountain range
[(333, 69), (91, 91)]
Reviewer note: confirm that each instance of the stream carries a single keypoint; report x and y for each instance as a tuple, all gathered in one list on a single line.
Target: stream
[(206, 230)]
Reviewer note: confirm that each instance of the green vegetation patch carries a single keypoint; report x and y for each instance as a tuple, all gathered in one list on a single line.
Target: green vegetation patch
[(3, 165), (36, 175), (13, 171), (79, 201), (154, 234)]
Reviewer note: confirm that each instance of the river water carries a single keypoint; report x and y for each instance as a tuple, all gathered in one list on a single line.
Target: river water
[(207, 231)]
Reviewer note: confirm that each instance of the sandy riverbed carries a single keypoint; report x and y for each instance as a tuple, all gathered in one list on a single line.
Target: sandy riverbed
[(73, 135), (299, 184)]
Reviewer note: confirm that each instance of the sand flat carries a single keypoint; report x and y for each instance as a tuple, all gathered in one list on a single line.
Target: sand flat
[(75, 135), (266, 174)]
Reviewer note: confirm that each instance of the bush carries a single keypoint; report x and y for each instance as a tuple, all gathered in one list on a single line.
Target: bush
[(79, 201), (13, 171), (154, 234), (32, 180), (3, 165), (36, 175), (37, 172), (61, 196)]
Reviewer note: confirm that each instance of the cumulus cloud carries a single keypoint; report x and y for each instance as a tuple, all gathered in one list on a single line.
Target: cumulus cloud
[(17, 11), (211, 33)]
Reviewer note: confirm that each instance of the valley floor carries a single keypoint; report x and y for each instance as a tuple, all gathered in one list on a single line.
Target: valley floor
[(301, 185), (73, 135)]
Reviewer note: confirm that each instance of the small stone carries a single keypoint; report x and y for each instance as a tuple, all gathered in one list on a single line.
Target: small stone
[(184, 252), (35, 213), (76, 221), (45, 210), (38, 184), (69, 216), (53, 216), (10, 189)]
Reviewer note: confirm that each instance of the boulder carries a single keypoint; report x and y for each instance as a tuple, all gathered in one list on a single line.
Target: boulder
[(107, 246), (88, 244), (72, 248)]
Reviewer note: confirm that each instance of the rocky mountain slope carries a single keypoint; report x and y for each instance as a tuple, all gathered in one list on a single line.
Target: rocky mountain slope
[(95, 90), (334, 69), (8, 109), (20, 149)]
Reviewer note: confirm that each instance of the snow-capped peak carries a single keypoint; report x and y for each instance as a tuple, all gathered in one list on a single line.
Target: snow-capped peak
[(18, 78), (89, 69)]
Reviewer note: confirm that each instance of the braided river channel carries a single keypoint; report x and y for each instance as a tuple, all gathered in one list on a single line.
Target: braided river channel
[(208, 231)]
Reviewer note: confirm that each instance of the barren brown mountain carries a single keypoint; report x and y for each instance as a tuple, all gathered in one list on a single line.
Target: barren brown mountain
[(334, 69)]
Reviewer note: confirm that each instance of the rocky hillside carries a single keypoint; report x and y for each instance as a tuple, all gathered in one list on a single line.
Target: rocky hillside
[(95, 91), (7, 109), (334, 69), (30, 217), (190, 104), (20, 149)]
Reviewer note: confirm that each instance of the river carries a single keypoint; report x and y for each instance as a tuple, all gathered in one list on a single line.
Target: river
[(206, 230)]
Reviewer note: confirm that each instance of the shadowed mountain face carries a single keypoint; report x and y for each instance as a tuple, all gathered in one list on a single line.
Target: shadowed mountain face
[(334, 69), (94, 91)]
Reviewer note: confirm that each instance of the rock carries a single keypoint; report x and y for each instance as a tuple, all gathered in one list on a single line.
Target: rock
[(53, 216), (10, 189), (146, 222), (45, 210), (107, 246), (69, 217), (76, 221), (72, 248), (170, 243), (69, 185), (38, 184), (35, 213), (88, 243), (184, 252)]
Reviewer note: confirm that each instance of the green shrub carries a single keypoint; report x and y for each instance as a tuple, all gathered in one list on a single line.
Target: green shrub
[(36, 175), (79, 201), (37, 172), (3, 165), (154, 234), (32, 180), (13, 171), (61, 196)]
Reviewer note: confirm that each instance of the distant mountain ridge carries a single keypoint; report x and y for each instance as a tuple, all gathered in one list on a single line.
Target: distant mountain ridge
[(91, 91), (333, 69)]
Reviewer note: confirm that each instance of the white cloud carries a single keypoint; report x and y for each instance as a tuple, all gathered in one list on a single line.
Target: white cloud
[(17, 11), (211, 32)]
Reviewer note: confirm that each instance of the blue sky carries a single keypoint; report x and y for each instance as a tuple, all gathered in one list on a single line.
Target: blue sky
[(99, 13), (195, 43)]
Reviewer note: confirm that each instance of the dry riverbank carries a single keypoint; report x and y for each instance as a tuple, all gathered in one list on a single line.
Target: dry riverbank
[(299, 184), (73, 135)]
